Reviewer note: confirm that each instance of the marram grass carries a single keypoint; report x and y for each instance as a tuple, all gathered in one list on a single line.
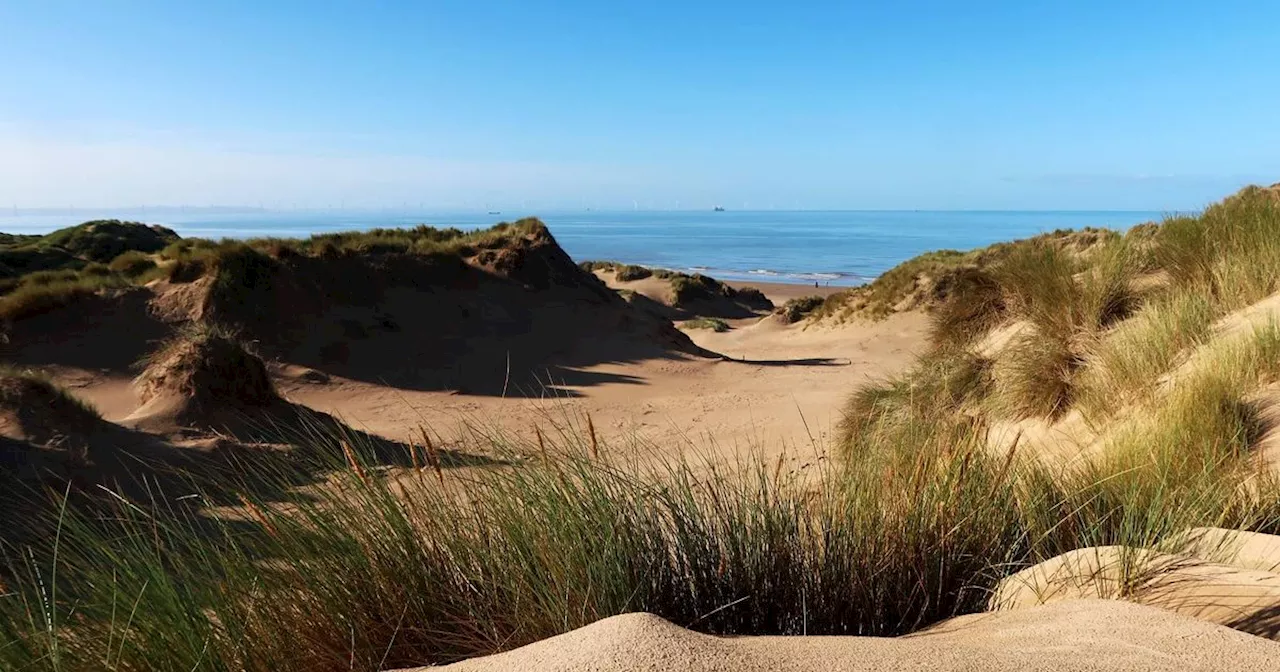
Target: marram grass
[(393, 568)]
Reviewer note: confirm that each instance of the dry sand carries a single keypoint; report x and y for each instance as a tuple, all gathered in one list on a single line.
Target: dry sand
[(1075, 635), (780, 292), (639, 396), (787, 395)]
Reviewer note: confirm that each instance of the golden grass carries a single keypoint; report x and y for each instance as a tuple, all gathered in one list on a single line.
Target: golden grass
[(44, 294), (1122, 367)]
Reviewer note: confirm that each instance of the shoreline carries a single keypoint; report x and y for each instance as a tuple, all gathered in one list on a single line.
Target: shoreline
[(780, 292)]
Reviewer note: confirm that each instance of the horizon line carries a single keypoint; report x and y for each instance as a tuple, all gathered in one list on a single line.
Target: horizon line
[(525, 212)]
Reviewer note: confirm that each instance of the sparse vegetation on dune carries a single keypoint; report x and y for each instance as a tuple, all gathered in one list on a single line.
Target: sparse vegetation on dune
[(1096, 328), (74, 247), (104, 240), (930, 280), (795, 310), (208, 365), (422, 239), (41, 273), (624, 272), (1122, 366), (28, 392), (713, 323), (41, 292), (689, 289), (689, 294)]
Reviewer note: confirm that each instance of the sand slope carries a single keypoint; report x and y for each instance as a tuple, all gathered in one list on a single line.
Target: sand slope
[(1078, 635), (1221, 576), (787, 393)]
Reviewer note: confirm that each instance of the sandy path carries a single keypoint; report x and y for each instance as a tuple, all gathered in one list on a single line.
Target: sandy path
[(673, 404)]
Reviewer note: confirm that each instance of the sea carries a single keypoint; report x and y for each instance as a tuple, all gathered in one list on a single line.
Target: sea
[(837, 248)]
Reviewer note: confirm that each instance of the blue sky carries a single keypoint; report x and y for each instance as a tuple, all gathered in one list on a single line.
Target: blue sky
[(1077, 105)]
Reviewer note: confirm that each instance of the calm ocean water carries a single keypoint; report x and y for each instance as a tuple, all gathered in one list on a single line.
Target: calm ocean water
[(840, 248)]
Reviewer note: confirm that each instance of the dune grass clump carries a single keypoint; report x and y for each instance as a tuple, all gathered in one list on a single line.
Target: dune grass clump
[(36, 402), (1036, 377), (687, 288), (106, 239), (713, 323), (1207, 412), (185, 247), (42, 273), (879, 298), (631, 273), (934, 279), (133, 264), (1062, 294), (798, 308), (974, 304), (20, 260), (1067, 303), (930, 403), (592, 265), (201, 255), (752, 297), (1123, 366), (42, 292), (1229, 251), (380, 578), (208, 365), (622, 272), (239, 271)]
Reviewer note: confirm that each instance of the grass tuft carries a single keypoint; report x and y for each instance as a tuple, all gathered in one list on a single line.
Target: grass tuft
[(798, 308), (42, 292), (713, 323)]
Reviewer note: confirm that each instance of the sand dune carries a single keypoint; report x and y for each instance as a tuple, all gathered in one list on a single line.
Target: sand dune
[(787, 393), (513, 337), (1067, 636)]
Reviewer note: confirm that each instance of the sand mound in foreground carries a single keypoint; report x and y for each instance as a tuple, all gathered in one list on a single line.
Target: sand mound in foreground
[(1077, 635), (35, 410), (200, 377), (1217, 580)]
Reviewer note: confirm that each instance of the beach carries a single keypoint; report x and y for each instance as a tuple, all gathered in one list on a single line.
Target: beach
[(781, 292)]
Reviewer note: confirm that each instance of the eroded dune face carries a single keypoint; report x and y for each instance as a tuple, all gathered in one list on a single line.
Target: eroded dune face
[(1074, 635), (445, 323), (493, 318)]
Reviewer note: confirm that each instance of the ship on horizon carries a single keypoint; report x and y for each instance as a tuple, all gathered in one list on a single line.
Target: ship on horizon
[(718, 208)]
